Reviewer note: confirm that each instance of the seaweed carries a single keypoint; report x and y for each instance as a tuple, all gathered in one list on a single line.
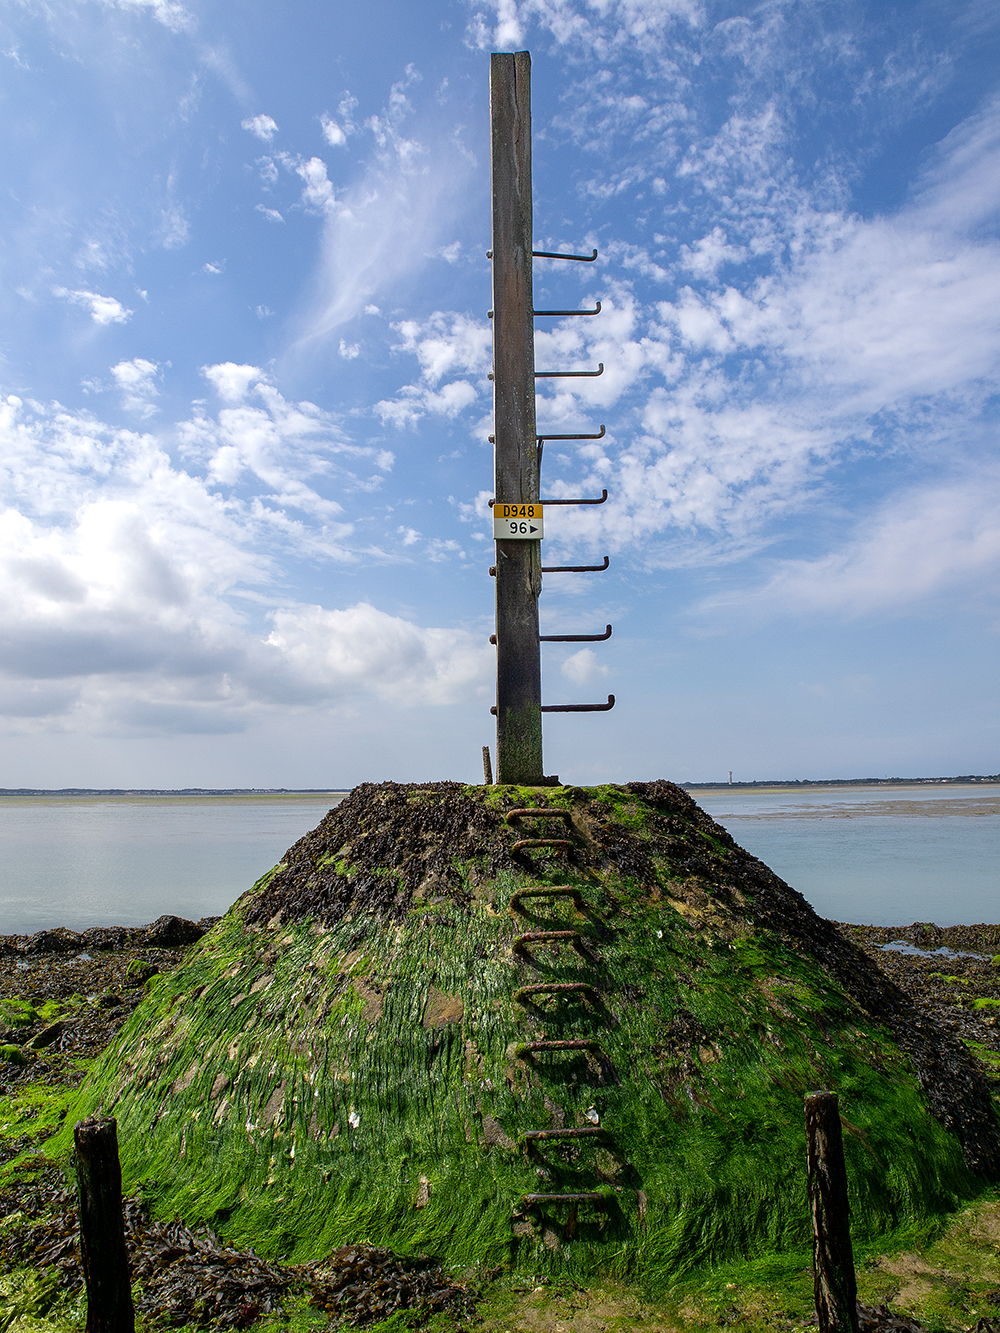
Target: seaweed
[(351, 1055)]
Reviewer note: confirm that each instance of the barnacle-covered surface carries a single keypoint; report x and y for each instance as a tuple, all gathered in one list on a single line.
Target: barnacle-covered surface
[(337, 1061)]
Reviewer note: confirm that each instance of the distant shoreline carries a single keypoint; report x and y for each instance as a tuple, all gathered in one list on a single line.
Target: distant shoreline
[(796, 784), (178, 791), (776, 784)]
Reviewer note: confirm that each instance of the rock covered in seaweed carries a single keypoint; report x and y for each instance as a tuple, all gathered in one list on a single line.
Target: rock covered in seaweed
[(357, 1051)]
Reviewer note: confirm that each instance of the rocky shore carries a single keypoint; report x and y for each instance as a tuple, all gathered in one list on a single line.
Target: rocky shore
[(952, 972), (64, 996)]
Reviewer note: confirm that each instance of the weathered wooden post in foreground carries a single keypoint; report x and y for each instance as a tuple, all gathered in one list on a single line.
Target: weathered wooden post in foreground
[(834, 1283), (102, 1228)]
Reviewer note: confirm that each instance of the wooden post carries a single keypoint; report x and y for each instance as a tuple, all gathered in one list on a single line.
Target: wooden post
[(518, 563), (834, 1284), (102, 1228), (487, 767)]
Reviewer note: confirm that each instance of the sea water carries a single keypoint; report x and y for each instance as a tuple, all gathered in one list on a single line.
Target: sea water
[(873, 855), (881, 856), (83, 861)]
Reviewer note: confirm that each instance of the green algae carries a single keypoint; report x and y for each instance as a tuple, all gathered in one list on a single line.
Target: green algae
[(301, 1083)]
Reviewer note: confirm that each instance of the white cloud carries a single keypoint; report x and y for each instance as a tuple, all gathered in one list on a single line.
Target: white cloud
[(103, 309), (707, 254), (292, 449), (332, 132), (271, 214), (582, 667), (318, 192), (262, 126), (137, 381), (168, 12), (442, 344), (232, 382), (174, 228), (385, 226), (123, 579), (349, 350), (363, 649), (924, 543), (610, 23)]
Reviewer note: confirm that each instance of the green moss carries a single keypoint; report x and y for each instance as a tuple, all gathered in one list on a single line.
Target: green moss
[(13, 1055), (18, 1013), (989, 1057), (27, 1118), (302, 1086)]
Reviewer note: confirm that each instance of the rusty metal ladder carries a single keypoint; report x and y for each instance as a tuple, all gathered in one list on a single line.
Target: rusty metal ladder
[(570, 1200)]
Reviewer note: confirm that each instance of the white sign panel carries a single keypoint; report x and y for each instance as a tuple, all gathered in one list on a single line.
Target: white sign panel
[(518, 522)]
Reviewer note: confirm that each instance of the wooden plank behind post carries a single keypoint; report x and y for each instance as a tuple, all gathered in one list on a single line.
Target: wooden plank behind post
[(102, 1228), (518, 563), (834, 1283)]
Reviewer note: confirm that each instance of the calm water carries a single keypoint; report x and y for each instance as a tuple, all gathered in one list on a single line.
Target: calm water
[(886, 856), (125, 860), (876, 855)]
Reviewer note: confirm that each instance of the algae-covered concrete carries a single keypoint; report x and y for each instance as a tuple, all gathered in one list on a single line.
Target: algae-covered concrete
[(342, 1058)]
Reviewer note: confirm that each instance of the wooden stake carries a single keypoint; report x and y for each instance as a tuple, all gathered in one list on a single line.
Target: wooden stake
[(487, 767), (518, 563), (102, 1228), (834, 1283)]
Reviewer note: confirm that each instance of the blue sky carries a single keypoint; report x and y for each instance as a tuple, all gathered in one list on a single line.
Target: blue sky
[(243, 368)]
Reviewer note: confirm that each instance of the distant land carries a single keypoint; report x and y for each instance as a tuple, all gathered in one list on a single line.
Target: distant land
[(177, 791), (336, 791), (849, 782)]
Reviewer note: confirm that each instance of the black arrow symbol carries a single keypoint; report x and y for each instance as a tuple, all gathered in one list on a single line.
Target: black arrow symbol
[(531, 529)]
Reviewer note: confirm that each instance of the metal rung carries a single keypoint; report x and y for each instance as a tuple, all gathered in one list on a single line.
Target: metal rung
[(593, 1197), (561, 891), (546, 937), (557, 254), (565, 569), (576, 638), (529, 1047), (578, 708), (536, 1135), (596, 311), (555, 988), (564, 844), (535, 813)]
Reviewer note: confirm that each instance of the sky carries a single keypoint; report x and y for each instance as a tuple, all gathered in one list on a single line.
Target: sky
[(244, 403)]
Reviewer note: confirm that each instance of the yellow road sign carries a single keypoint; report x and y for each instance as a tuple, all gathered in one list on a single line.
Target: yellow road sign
[(523, 523)]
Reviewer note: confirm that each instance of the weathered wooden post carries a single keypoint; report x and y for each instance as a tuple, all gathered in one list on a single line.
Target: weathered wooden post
[(834, 1283), (518, 563), (102, 1228)]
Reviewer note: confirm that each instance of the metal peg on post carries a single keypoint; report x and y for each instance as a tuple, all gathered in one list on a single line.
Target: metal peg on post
[(834, 1283), (102, 1228), (518, 563)]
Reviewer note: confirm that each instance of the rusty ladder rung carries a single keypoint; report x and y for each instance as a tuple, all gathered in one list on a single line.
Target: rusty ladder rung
[(535, 813), (579, 1044), (555, 988), (590, 1197), (546, 937), (556, 891), (589, 1132), (563, 844)]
